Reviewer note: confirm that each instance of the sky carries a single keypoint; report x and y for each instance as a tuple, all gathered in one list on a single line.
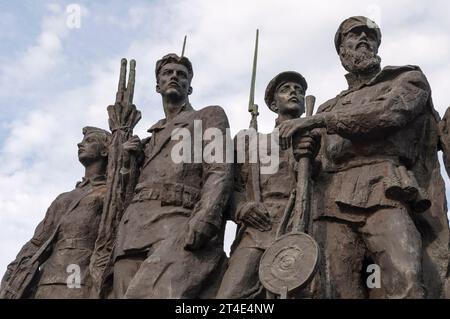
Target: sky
[(59, 73)]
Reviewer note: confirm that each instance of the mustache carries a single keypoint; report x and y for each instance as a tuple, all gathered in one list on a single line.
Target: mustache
[(364, 43)]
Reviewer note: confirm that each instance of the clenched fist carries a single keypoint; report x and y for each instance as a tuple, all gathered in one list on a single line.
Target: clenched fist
[(254, 214)]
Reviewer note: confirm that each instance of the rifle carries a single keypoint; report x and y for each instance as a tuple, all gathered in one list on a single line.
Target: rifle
[(291, 261), (253, 109), (255, 167), (303, 200), (122, 175)]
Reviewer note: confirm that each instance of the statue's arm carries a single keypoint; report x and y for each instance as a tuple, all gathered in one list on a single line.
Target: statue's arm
[(41, 234), (135, 147), (217, 178), (241, 183), (247, 209), (208, 216), (389, 112), (140, 155)]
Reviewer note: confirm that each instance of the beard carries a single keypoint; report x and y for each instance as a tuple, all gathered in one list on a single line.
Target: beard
[(360, 61)]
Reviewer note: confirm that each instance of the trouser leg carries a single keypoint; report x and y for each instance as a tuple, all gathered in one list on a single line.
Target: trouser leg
[(343, 261), (124, 270), (395, 245), (171, 272), (241, 279)]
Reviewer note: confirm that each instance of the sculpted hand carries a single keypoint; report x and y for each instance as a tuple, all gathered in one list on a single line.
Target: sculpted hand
[(285, 143), (255, 215), (133, 145), (306, 145), (300, 125), (123, 114), (289, 127), (198, 234)]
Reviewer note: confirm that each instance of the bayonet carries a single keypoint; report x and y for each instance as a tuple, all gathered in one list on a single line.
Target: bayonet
[(252, 107), (184, 46)]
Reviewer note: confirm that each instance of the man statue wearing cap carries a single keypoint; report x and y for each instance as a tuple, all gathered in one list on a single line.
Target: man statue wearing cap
[(380, 200), (55, 262), (258, 222), (170, 238)]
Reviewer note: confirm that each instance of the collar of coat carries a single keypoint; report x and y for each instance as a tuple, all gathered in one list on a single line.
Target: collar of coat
[(161, 124), (356, 80), (97, 180), (166, 127), (387, 73)]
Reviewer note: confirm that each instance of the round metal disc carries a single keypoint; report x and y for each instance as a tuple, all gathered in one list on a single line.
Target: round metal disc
[(289, 263)]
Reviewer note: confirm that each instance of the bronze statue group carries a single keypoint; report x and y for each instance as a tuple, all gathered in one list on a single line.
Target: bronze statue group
[(358, 184)]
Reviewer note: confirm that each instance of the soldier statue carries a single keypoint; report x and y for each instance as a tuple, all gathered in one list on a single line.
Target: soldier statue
[(259, 221), (63, 242), (155, 227), (170, 238), (380, 199)]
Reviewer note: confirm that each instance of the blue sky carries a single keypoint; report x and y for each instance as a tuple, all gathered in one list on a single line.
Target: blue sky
[(54, 80)]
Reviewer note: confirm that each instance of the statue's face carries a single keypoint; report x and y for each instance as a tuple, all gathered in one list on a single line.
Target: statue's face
[(361, 38), (359, 49), (91, 149), (173, 81), (289, 99)]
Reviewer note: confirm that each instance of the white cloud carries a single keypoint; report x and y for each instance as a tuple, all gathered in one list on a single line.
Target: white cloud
[(39, 60)]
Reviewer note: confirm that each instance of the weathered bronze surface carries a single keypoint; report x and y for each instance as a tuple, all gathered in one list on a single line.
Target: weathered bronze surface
[(358, 186), (289, 263), (67, 234)]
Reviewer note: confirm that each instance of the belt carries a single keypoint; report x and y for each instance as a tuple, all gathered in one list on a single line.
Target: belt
[(359, 162), (173, 194), (70, 243)]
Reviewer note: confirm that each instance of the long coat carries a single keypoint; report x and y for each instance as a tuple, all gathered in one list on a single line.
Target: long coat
[(168, 196), (66, 236), (383, 135)]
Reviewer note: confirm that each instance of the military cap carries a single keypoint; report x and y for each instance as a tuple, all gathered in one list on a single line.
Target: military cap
[(355, 22), (288, 76), (173, 58), (104, 135)]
